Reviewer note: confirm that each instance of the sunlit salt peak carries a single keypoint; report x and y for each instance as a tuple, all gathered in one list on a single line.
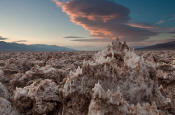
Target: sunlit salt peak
[(131, 59), (108, 53), (114, 50), (47, 69), (98, 91), (77, 72), (120, 46), (32, 90)]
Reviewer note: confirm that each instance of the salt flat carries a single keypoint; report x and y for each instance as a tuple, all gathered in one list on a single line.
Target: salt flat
[(116, 80)]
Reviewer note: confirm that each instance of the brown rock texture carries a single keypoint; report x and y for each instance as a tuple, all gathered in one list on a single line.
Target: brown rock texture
[(114, 81)]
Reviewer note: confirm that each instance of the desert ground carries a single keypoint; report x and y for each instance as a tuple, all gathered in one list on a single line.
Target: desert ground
[(114, 81)]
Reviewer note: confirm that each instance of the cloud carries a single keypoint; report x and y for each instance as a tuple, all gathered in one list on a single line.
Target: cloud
[(160, 22), (74, 37), (151, 42), (104, 19), (92, 40), (170, 19), (2, 38), (143, 26), (171, 30), (20, 41)]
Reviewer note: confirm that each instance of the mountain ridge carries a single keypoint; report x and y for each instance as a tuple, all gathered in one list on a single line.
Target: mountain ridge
[(160, 46), (7, 46)]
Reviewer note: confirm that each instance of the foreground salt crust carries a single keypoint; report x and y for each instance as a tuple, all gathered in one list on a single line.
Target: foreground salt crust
[(114, 81), (4, 91), (1, 74), (6, 107), (44, 93)]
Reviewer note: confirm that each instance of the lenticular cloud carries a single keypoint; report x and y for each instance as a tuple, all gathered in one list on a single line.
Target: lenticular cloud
[(104, 19)]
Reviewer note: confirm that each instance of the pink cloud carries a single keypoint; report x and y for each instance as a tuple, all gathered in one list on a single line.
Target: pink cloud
[(105, 19), (144, 26), (160, 22)]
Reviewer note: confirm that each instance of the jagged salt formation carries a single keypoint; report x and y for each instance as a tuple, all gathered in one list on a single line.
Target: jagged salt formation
[(116, 67), (4, 91), (45, 72), (6, 107), (42, 97), (105, 103), (1, 74), (115, 81)]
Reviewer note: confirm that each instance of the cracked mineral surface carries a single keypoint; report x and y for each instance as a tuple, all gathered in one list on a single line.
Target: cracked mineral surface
[(114, 81)]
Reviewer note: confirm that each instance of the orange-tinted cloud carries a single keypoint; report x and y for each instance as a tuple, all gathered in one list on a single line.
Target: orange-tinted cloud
[(144, 26), (92, 40), (172, 30), (74, 37), (104, 19)]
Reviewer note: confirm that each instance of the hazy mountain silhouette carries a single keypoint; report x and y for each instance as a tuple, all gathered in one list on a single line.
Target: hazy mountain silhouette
[(162, 46), (6, 46)]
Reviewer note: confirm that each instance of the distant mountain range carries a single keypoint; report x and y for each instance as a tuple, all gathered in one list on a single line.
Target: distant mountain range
[(6, 46), (162, 46)]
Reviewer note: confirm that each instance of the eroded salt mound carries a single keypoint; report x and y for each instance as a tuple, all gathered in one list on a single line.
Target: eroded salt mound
[(117, 81), (41, 96)]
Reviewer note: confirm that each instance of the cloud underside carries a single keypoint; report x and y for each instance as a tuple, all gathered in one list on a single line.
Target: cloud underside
[(2, 38), (20, 41), (172, 30), (105, 19), (92, 40), (149, 43), (74, 37)]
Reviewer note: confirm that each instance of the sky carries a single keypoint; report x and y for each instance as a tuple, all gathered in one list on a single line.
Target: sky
[(87, 24)]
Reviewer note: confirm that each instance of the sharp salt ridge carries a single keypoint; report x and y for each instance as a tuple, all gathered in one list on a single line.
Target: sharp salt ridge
[(116, 81)]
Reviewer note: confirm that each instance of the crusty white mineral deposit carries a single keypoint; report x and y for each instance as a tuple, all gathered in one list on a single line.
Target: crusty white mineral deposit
[(114, 81)]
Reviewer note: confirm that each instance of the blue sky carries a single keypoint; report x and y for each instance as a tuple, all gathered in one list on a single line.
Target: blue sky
[(43, 22), (151, 11)]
